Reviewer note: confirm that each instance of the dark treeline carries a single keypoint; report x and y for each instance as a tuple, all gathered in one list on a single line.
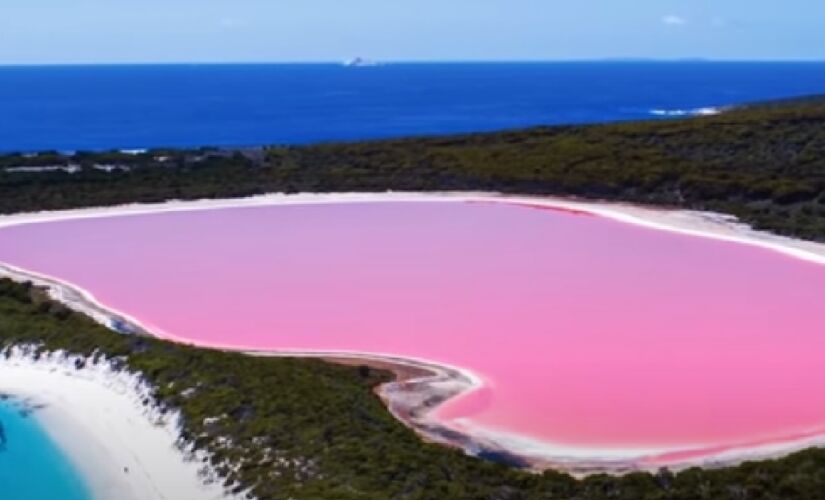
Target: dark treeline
[(305, 429), (763, 163)]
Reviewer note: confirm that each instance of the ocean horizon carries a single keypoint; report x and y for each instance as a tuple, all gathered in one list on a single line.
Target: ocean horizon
[(90, 107)]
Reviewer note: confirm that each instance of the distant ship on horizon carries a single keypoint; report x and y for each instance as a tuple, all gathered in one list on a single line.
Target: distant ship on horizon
[(360, 62)]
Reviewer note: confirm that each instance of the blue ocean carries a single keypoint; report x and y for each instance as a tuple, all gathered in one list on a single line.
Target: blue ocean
[(31, 467), (130, 107)]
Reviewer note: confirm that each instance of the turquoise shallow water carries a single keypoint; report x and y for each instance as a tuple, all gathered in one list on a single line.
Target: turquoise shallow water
[(31, 466)]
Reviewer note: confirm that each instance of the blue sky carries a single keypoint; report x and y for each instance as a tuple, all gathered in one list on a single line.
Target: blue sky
[(107, 31)]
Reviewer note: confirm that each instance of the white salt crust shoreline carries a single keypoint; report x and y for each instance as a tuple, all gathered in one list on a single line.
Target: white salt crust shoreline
[(412, 399)]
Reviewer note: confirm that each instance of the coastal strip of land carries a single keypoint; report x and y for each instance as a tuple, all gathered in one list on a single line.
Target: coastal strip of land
[(420, 385)]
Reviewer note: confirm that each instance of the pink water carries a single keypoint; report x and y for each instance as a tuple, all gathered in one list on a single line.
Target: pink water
[(587, 333)]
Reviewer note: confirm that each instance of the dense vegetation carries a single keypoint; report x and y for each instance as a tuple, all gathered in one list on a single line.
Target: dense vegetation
[(765, 164), (305, 429)]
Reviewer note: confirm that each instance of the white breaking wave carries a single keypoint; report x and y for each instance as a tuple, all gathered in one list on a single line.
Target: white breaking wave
[(707, 111)]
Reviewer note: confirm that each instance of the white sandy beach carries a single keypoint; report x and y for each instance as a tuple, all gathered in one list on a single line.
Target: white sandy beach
[(125, 436), (126, 451)]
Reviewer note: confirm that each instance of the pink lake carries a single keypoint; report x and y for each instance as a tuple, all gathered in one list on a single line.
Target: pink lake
[(588, 334)]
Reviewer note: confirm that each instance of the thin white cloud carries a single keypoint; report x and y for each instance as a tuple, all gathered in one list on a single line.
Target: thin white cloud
[(674, 20)]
